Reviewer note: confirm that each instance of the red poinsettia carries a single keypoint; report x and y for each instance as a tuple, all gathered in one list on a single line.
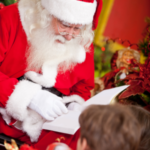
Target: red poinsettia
[(139, 82)]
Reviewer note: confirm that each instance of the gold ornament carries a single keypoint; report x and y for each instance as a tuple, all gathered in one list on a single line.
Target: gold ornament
[(59, 139), (12, 146)]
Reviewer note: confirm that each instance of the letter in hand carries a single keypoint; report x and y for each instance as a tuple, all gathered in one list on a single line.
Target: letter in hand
[(48, 105)]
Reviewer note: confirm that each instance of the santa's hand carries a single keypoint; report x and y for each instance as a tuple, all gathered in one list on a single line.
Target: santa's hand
[(48, 105), (75, 106)]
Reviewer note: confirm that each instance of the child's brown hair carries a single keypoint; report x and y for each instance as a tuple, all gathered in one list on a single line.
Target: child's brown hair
[(143, 116), (109, 127)]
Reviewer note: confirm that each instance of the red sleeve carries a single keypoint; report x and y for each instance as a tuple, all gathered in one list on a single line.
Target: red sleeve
[(6, 83), (83, 87)]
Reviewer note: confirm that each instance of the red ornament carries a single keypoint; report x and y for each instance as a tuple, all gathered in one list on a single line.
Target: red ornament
[(26, 147), (103, 48), (2, 5), (53, 146)]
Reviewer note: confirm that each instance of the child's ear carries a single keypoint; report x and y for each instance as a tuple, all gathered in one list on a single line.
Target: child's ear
[(84, 145)]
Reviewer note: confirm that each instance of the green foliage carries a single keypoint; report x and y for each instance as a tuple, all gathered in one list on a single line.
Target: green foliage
[(146, 97), (8, 2), (121, 83), (102, 60), (144, 45)]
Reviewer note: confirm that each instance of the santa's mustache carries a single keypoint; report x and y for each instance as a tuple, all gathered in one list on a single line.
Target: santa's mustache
[(60, 38)]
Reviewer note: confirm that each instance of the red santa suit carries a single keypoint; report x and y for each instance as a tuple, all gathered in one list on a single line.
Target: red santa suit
[(15, 95)]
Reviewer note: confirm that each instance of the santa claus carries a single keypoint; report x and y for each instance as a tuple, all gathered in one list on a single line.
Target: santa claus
[(46, 52)]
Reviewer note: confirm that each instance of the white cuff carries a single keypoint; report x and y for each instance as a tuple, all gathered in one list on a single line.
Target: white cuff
[(5, 116), (20, 98)]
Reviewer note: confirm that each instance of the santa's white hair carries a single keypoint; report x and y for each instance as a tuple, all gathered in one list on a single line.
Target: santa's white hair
[(41, 37)]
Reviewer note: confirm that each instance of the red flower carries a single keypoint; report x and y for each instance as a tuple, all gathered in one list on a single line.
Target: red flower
[(139, 81)]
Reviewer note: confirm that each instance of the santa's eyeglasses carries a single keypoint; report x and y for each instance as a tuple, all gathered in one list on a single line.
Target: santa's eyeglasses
[(65, 28)]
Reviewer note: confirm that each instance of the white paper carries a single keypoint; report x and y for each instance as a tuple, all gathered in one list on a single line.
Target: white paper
[(66, 123), (69, 123), (105, 97)]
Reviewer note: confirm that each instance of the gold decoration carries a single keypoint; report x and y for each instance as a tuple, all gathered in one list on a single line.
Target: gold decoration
[(12, 146), (103, 19), (60, 139)]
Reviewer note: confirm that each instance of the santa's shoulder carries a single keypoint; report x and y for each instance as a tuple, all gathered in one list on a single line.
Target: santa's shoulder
[(10, 12)]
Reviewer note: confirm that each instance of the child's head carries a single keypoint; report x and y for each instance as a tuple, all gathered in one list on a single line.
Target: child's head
[(108, 127), (143, 116)]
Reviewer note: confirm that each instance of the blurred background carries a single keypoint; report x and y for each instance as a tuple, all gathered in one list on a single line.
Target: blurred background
[(122, 23)]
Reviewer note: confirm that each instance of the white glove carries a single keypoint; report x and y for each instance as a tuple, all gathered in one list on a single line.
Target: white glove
[(48, 105), (74, 106)]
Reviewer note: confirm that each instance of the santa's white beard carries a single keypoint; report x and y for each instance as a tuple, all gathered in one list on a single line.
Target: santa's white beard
[(44, 48)]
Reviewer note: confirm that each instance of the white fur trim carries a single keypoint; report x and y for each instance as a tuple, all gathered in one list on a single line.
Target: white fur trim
[(71, 11), (20, 98), (32, 125), (5, 116), (18, 125), (29, 121), (46, 79), (73, 98)]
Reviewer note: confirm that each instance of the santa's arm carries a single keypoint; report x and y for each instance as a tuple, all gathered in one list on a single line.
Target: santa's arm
[(80, 92), (6, 88), (6, 83), (15, 96)]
